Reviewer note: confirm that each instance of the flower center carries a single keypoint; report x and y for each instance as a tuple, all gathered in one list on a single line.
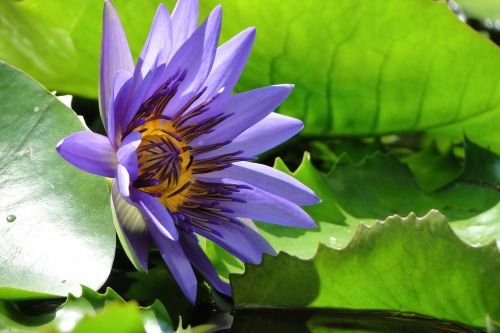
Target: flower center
[(169, 162), (164, 164)]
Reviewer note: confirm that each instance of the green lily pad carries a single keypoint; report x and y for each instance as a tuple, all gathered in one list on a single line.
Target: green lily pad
[(55, 223), (380, 186), (411, 265), (90, 312)]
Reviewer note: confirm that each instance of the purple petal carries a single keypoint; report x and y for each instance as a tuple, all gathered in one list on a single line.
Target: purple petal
[(117, 102), (128, 165), (199, 259), (156, 214), (159, 38), (133, 226), (90, 152), (123, 181), (269, 180), (266, 134), (247, 108), (115, 56), (266, 207), (195, 57), (211, 40), (229, 62), (184, 21), (243, 242), (179, 265), (127, 155), (141, 90)]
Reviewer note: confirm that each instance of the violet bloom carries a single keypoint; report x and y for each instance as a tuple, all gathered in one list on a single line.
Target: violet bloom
[(179, 143)]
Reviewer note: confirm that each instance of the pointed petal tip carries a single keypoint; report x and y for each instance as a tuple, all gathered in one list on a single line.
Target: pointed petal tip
[(174, 237), (308, 223), (115, 55), (141, 268), (108, 5), (226, 290), (59, 144), (157, 215), (251, 33), (270, 251), (217, 8), (190, 292), (200, 261), (258, 260), (288, 87), (311, 200), (248, 33), (216, 14), (89, 152), (161, 10), (175, 258), (318, 200), (162, 6), (298, 124), (293, 125)]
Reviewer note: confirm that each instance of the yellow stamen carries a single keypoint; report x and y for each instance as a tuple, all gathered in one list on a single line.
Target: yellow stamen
[(159, 146)]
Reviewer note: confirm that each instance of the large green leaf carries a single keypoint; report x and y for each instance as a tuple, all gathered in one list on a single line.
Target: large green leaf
[(380, 186), (56, 228), (371, 67), (407, 264), (58, 42)]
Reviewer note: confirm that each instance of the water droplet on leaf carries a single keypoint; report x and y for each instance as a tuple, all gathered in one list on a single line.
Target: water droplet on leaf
[(10, 218)]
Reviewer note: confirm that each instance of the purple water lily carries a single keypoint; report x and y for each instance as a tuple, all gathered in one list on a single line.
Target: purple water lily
[(179, 145)]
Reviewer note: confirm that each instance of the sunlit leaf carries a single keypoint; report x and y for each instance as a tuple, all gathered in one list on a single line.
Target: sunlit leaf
[(58, 42), (372, 67), (380, 186), (55, 223), (407, 264)]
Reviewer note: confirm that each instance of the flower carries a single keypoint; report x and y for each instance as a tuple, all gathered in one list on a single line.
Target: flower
[(179, 145)]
